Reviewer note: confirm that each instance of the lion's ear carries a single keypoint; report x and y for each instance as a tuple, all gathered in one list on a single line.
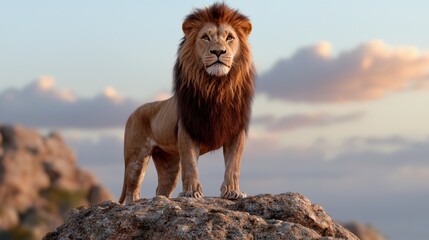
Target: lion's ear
[(187, 27), (246, 27)]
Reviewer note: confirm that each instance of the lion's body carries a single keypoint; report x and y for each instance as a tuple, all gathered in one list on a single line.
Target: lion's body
[(210, 108)]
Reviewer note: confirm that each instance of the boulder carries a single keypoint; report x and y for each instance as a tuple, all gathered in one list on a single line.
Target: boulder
[(364, 231), (282, 216), (40, 182)]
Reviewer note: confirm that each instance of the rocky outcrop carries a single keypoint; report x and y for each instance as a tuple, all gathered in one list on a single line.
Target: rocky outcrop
[(364, 231), (39, 183), (283, 216)]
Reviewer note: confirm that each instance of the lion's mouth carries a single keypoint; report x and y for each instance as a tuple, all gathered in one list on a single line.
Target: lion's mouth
[(218, 62)]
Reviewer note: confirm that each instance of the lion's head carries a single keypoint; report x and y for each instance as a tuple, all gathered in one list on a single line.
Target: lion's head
[(215, 47), (216, 37), (214, 73)]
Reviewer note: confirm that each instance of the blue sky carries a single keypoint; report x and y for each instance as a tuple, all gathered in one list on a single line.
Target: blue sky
[(77, 41), (340, 113)]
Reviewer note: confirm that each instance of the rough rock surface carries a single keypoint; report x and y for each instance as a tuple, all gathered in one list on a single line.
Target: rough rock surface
[(283, 216), (39, 183)]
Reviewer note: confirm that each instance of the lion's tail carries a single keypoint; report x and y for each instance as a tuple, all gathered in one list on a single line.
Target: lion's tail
[(124, 188), (124, 183)]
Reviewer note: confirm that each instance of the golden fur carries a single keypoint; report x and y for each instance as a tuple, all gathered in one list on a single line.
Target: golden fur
[(211, 106)]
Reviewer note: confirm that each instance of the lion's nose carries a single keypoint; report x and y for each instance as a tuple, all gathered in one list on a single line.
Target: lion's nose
[(218, 52)]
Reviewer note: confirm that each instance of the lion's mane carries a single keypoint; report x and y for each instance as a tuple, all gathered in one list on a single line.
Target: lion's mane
[(214, 109)]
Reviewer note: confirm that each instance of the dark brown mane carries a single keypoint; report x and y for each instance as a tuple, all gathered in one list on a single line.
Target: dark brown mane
[(214, 109)]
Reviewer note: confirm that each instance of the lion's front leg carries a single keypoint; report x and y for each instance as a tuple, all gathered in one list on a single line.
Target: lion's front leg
[(189, 152), (232, 154)]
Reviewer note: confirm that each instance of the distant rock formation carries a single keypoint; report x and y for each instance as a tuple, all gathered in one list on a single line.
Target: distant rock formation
[(283, 216), (39, 183), (364, 231)]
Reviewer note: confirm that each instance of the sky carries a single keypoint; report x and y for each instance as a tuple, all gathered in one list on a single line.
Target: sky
[(340, 112)]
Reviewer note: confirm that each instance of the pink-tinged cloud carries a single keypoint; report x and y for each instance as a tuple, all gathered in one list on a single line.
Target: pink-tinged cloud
[(40, 104), (292, 122), (369, 71)]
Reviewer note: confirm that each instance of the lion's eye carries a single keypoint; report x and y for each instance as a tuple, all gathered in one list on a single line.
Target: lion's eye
[(205, 38), (229, 38)]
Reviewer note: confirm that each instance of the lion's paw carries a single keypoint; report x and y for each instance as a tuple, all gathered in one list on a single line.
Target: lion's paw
[(234, 195), (192, 194)]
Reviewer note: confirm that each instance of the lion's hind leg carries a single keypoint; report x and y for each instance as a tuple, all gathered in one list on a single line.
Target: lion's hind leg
[(138, 146), (168, 168), (134, 174)]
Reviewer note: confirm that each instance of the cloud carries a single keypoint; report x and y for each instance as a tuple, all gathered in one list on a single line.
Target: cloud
[(369, 71), (40, 104), (369, 186), (162, 96), (268, 167), (391, 141), (293, 122)]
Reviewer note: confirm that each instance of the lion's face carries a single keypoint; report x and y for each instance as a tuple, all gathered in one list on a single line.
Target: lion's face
[(214, 55), (217, 46)]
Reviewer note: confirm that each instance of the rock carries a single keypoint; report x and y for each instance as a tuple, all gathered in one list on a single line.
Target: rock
[(21, 167), (8, 218), (364, 231), (98, 194), (283, 216), (39, 182)]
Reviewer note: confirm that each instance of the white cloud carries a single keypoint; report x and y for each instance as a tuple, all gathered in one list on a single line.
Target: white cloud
[(162, 96), (110, 93), (45, 83), (40, 104), (369, 71)]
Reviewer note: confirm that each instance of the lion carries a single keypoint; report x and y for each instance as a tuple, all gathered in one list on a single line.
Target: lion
[(213, 88)]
